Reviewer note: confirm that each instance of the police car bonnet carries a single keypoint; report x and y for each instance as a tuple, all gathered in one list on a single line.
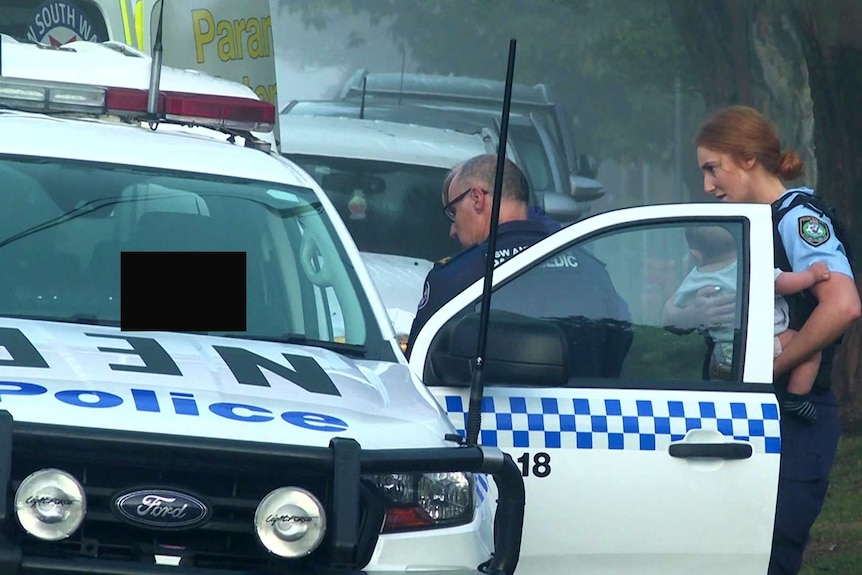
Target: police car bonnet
[(174, 382)]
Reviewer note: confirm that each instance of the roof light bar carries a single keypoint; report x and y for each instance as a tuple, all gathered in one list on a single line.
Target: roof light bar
[(40, 96), (218, 112), (129, 102), (228, 112)]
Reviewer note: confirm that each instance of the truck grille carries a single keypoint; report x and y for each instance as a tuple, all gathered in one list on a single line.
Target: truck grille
[(231, 481)]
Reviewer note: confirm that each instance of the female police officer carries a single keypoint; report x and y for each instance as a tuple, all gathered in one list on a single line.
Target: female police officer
[(739, 153)]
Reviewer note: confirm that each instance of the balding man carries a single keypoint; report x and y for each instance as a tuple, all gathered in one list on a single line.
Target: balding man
[(467, 202), (579, 296)]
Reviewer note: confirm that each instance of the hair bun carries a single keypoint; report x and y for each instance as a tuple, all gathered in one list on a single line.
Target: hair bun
[(790, 165)]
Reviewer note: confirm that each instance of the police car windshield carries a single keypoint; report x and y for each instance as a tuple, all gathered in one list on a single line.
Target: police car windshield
[(389, 208), (64, 225)]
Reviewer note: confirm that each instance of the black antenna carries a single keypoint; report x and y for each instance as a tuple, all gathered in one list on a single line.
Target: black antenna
[(155, 73), (362, 102), (474, 411)]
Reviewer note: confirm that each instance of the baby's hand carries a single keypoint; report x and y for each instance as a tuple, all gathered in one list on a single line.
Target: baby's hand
[(820, 271)]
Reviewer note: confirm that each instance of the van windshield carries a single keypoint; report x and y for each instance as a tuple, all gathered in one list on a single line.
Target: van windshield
[(64, 225)]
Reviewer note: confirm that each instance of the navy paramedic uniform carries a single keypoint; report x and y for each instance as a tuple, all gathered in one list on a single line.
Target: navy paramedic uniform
[(450, 276), (807, 235), (572, 289)]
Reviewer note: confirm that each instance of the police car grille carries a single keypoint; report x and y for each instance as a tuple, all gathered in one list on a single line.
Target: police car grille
[(231, 487)]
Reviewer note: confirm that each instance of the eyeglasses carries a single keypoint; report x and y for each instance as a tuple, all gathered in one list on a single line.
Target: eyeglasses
[(449, 209)]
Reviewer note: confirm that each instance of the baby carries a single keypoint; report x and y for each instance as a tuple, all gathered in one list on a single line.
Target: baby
[(713, 249)]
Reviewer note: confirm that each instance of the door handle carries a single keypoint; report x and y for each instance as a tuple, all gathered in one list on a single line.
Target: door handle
[(716, 450)]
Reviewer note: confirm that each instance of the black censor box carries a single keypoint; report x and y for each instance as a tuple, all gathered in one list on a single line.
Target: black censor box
[(183, 291)]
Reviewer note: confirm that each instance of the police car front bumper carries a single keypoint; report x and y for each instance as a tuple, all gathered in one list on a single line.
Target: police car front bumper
[(344, 462), (89, 567)]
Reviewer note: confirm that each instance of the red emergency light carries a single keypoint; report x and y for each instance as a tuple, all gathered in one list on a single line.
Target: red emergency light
[(229, 112), (212, 111)]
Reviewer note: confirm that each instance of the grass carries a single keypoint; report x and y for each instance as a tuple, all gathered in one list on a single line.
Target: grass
[(836, 538)]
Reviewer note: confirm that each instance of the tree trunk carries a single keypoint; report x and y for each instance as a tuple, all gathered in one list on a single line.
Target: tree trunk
[(715, 35), (833, 50)]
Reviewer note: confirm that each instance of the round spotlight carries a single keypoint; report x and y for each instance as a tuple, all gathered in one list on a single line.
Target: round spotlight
[(290, 522), (50, 504)]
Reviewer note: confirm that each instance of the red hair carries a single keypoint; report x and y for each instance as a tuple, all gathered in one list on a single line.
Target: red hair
[(744, 133)]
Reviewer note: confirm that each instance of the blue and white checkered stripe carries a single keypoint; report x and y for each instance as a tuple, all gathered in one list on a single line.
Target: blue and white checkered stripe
[(482, 486), (589, 423)]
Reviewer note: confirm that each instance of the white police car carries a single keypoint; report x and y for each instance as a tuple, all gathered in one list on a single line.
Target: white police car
[(300, 443)]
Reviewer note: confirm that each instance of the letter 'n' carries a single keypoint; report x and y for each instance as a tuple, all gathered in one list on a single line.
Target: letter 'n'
[(19, 348), (306, 373)]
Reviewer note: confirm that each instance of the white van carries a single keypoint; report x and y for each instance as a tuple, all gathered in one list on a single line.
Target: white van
[(385, 180)]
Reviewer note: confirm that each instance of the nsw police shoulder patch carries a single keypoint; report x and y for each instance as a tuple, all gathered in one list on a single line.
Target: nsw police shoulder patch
[(813, 231), (426, 292)]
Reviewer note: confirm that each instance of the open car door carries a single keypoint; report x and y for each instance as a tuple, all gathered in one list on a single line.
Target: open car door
[(646, 447)]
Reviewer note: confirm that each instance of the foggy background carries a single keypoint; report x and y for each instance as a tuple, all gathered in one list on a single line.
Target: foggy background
[(617, 66)]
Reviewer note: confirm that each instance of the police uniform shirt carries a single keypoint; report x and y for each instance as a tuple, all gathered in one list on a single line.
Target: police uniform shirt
[(808, 236), (807, 452), (451, 276)]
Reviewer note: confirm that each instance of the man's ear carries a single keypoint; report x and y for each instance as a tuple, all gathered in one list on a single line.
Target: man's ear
[(749, 163), (479, 199)]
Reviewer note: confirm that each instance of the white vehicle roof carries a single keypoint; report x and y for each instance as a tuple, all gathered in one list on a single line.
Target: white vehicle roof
[(111, 64), (106, 64), (379, 140), (77, 139)]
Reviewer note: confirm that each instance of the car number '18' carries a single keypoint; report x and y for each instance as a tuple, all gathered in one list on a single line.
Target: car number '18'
[(537, 465)]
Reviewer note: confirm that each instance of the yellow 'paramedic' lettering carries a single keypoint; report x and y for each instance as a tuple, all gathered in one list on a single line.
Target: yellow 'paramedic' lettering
[(267, 93), (254, 35)]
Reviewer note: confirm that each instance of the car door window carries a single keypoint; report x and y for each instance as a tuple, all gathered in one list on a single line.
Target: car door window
[(621, 299)]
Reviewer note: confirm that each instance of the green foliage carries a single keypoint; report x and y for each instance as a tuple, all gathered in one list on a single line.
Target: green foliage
[(660, 354), (836, 538)]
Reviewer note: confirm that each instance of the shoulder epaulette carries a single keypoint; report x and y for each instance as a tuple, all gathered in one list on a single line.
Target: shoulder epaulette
[(448, 259)]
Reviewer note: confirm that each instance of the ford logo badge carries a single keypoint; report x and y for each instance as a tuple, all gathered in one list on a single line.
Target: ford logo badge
[(161, 509)]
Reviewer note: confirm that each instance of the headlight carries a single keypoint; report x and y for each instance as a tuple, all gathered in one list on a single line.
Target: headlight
[(50, 504), (290, 522), (426, 500)]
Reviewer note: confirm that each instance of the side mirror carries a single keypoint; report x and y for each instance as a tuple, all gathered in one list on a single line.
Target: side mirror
[(586, 189), (562, 207), (520, 350)]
